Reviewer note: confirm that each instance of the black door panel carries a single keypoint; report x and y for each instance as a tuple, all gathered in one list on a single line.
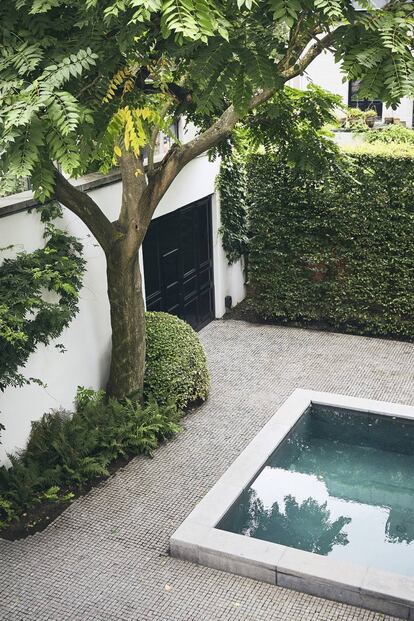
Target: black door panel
[(178, 264)]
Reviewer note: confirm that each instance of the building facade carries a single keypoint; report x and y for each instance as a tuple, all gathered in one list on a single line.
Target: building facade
[(326, 73)]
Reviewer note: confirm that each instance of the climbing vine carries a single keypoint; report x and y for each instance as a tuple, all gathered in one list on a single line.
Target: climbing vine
[(39, 294), (232, 187)]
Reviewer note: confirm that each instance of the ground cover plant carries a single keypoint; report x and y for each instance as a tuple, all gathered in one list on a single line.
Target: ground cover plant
[(90, 84), (336, 248), (68, 453)]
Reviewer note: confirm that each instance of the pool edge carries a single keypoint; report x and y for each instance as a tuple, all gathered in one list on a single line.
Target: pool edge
[(197, 540)]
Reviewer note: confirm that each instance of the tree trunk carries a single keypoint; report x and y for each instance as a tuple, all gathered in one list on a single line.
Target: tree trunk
[(126, 376)]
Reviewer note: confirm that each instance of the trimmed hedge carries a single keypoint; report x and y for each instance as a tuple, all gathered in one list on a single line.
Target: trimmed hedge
[(176, 365), (338, 250)]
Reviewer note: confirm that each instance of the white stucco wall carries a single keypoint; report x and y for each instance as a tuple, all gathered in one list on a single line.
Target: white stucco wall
[(87, 339), (326, 73)]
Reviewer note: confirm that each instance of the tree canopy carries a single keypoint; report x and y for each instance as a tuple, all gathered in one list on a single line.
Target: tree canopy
[(81, 79)]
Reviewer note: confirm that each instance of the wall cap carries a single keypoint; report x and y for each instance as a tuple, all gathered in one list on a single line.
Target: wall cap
[(24, 201)]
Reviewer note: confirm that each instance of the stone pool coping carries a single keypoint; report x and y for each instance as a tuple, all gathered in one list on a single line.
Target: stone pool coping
[(198, 540)]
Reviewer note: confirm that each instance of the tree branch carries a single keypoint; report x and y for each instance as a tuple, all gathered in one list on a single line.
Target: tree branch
[(315, 49), (87, 87), (83, 206), (176, 90), (175, 160), (178, 157), (134, 183)]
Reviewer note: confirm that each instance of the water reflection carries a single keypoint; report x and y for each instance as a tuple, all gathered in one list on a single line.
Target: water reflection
[(340, 484), (306, 525), (400, 527)]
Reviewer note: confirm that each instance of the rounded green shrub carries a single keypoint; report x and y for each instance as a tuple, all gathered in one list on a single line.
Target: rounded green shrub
[(176, 365)]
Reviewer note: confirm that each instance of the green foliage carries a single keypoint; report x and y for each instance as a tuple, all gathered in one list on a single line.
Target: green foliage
[(68, 452), (356, 120), (390, 135), (7, 513), (80, 81), (39, 294), (176, 365), (292, 126), (387, 150), (232, 187), (335, 248)]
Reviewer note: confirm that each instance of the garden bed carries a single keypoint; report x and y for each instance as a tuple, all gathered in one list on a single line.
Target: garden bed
[(39, 517)]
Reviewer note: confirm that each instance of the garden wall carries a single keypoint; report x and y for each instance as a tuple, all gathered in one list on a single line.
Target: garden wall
[(338, 249)]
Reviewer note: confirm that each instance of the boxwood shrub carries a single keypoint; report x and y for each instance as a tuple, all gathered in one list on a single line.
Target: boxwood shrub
[(337, 249), (176, 366)]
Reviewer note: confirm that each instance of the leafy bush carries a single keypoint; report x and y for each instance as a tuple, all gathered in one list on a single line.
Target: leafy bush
[(66, 452), (176, 365), (6, 512), (357, 120), (391, 134), (293, 125), (381, 149), (335, 248)]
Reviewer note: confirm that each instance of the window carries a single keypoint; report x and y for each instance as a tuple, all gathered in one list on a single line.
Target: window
[(362, 104)]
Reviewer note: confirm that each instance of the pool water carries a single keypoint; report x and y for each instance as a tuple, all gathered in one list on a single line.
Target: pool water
[(341, 485)]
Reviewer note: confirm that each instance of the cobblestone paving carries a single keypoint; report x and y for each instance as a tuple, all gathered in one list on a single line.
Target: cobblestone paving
[(106, 557)]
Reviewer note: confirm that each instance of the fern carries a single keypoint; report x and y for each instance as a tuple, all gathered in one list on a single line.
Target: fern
[(70, 451)]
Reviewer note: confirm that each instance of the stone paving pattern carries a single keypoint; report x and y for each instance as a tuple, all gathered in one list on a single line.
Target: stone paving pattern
[(106, 557)]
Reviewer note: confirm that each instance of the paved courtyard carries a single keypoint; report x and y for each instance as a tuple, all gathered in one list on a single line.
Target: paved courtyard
[(106, 557)]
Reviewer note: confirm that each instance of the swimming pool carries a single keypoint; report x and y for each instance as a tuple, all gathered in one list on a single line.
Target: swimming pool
[(321, 501)]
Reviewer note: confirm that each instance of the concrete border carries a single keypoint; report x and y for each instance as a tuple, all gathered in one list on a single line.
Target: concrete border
[(23, 201), (198, 540)]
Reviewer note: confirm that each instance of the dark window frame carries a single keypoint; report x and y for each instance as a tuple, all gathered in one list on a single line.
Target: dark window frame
[(364, 104)]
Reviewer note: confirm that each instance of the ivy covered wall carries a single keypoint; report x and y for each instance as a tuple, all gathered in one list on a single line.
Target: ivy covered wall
[(231, 184), (336, 249)]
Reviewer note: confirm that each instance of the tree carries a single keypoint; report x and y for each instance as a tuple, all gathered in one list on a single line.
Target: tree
[(90, 83)]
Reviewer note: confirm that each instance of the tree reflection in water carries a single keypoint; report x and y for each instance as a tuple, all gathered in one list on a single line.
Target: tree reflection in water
[(306, 526), (400, 526)]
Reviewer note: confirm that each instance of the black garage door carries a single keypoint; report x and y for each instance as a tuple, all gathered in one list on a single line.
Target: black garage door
[(178, 264)]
